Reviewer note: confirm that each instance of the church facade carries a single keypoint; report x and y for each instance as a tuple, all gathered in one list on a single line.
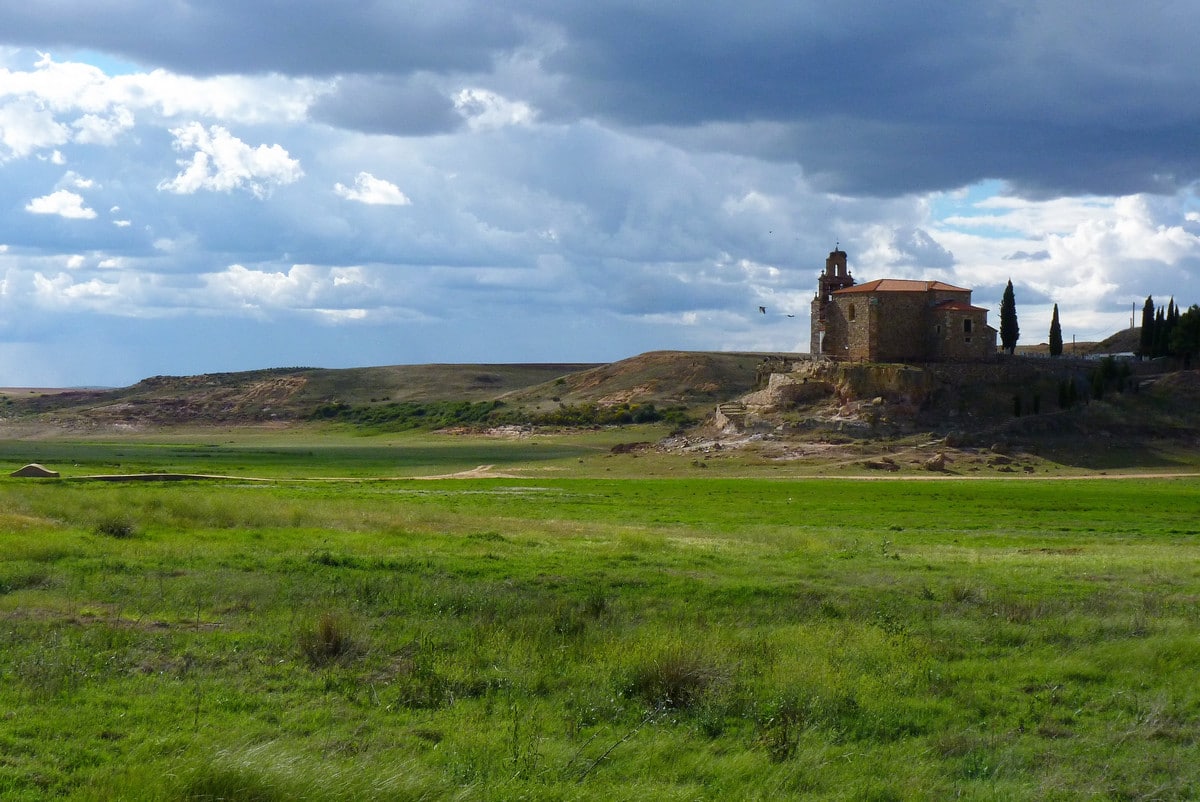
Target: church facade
[(896, 320)]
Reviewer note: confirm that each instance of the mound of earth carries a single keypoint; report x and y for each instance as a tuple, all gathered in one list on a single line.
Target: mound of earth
[(36, 471), (1125, 341), (662, 378)]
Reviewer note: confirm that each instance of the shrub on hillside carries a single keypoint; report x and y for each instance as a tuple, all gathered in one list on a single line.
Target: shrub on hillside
[(404, 415)]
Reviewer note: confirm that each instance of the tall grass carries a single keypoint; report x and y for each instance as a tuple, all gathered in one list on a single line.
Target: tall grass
[(329, 640), (576, 639)]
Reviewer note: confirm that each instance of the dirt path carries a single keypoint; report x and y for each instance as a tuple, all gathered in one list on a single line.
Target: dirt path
[(932, 476), (482, 472), (490, 472)]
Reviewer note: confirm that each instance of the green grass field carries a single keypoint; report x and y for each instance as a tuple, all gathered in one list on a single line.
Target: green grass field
[(570, 636), (316, 452)]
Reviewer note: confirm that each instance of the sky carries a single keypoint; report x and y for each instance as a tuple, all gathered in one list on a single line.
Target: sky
[(198, 186)]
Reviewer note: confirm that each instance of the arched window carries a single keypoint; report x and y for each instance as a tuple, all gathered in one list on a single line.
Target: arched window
[(850, 312), (966, 325)]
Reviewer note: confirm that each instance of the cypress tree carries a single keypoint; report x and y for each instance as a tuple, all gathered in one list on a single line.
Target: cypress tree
[(1056, 344), (1146, 340), (1009, 331), (1172, 320), (1185, 337), (1160, 331)]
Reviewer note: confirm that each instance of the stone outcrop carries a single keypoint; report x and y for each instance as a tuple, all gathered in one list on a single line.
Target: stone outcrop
[(785, 390)]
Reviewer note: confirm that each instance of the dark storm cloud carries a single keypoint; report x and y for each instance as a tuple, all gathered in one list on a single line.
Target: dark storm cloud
[(668, 63), (882, 99), (869, 98), (297, 37), (388, 105), (868, 157)]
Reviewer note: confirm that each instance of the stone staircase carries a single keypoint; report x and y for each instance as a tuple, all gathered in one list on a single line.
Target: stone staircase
[(730, 413)]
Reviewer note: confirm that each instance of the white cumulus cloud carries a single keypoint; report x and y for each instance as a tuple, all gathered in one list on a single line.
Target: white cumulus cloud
[(485, 109), (332, 292), (371, 190), (62, 291), (107, 103), (26, 127), (251, 99), (99, 129), (63, 203), (221, 162)]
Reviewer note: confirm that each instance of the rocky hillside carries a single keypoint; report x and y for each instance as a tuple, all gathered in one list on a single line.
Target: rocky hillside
[(285, 395), (878, 401), (279, 395), (694, 379), (1076, 404)]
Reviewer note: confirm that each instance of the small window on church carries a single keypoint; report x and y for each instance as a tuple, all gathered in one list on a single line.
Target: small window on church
[(850, 312), (966, 325)]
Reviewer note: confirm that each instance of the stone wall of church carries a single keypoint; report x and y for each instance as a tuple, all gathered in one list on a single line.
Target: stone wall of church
[(962, 334), (835, 337), (885, 326)]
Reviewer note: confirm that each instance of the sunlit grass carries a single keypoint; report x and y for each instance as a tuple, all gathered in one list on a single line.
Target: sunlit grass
[(596, 638)]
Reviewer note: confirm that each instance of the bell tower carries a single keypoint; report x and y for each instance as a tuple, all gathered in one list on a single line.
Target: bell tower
[(835, 277)]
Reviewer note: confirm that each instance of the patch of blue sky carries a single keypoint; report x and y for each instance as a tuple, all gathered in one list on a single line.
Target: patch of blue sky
[(1190, 199), (957, 209)]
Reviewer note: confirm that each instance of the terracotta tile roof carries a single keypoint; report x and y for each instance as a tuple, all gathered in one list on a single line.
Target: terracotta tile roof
[(900, 285), (958, 306)]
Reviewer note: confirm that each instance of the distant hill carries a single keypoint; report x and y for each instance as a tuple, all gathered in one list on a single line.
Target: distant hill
[(663, 378), (279, 394), (1123, 342), (695, 380)]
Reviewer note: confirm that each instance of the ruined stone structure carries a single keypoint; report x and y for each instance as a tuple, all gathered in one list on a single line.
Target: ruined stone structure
[(896, 320)]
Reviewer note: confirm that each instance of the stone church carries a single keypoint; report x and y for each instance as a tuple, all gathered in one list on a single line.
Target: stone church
[(896, 320)]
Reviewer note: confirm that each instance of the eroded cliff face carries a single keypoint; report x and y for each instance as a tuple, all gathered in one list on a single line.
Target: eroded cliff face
[(786, 390), (896, 397), (903, 384), (841, 383)]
